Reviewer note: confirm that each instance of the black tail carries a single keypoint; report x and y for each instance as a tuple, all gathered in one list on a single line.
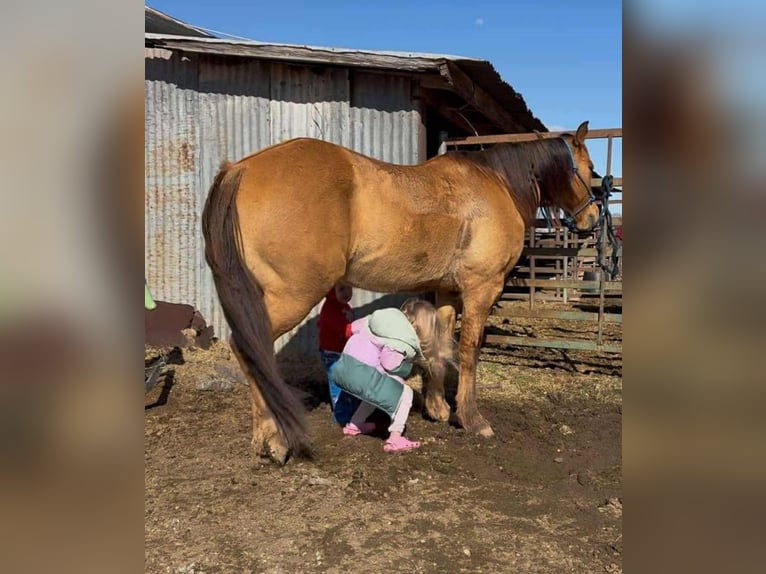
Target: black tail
[(242, 300)]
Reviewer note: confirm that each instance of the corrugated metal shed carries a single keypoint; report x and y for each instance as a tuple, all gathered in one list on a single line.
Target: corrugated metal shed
[(209, 99), (201, 109)]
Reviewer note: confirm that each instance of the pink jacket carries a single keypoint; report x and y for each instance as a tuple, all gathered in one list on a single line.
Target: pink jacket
[(370, 352)]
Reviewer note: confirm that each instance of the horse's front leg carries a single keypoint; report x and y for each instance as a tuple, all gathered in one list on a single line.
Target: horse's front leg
[(436, 405), (477, 303)]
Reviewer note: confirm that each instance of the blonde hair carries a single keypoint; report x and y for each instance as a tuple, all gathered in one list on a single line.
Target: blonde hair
[(437, 344)]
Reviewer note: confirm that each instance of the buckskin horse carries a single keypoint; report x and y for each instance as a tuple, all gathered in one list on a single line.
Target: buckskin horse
[(283, 225)]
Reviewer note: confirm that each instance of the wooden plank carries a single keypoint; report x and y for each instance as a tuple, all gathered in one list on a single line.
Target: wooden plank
[(563, 284), (434, 82), (543, 223), (616, 181), (555, 314), (552, 343), (510, 138), (613, 301), (567, 251), (306, 54)]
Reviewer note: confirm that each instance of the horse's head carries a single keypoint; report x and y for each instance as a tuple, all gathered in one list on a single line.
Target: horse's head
[(579, 203)]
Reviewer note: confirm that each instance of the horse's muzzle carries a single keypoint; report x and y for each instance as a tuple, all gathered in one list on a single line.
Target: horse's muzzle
[(592, 222)]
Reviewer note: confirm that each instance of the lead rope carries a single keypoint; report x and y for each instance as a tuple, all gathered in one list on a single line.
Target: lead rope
[(610, 266)]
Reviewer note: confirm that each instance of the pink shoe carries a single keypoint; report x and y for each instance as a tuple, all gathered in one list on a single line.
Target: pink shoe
[(364, 428), (400, 444)]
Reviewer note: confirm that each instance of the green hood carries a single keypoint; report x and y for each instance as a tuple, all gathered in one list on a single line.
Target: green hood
[(392, 328)]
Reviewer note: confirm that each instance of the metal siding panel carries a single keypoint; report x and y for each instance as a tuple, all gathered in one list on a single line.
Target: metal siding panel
[(234, 123), (172, 238), (309, 102), (385, 118)]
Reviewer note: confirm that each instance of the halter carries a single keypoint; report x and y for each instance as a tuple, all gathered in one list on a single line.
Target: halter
[(569, 220)]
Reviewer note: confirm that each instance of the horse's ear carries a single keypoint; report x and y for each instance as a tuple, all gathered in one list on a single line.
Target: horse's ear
[(582, 131)]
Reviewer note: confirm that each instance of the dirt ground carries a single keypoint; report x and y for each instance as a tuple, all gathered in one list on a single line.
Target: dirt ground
[(543, 495)]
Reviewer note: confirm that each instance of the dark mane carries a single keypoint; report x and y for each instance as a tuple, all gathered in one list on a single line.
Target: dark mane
[(548, 163)]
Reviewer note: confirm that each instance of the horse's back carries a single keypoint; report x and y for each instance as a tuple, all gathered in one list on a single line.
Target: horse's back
[(301, 171), (311, 200), (293, 204)]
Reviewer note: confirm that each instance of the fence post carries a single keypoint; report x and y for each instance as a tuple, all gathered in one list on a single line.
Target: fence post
[(443, 142)]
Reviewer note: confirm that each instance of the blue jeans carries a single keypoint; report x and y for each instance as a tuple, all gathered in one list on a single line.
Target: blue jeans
[(343, 405)]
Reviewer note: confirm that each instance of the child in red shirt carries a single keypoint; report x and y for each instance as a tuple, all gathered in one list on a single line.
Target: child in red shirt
[(334, 325)]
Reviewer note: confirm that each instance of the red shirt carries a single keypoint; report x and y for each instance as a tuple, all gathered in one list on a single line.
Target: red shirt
[(334, 327)]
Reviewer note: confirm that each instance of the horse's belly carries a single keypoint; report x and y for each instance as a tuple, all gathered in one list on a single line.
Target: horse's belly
[(403, 262)]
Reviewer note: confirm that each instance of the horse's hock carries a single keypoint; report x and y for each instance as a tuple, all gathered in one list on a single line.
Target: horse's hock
[(562, 276)]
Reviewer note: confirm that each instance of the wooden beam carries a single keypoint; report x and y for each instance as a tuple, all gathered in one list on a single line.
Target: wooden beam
[(304, 54), (479, 99), (555, 314), (562, 283), (566, 251), (434, 82), (444, 102), (492, 339), (520, 137), (463, 121)]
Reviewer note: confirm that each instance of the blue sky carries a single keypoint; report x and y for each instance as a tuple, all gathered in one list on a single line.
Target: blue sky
[(563, 56)]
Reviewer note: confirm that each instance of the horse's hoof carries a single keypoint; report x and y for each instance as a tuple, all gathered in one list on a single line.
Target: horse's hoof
[(278, 453), (438, 410), (479, 426), (485, 430), (272, 448), (276, 450)]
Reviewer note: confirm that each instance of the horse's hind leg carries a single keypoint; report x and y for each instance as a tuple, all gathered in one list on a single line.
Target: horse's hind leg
[(285, 310), (266, 438), (436, 405), (477, 304)]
